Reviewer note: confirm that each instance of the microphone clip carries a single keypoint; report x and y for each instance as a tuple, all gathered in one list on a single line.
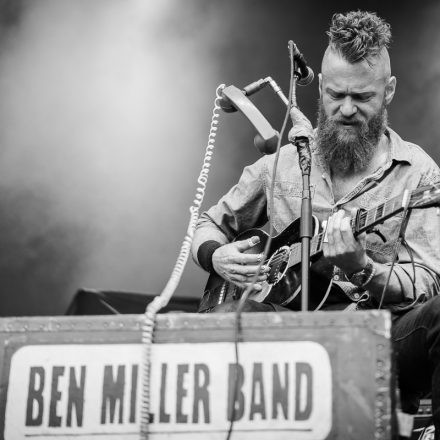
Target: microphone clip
[(303, 72)]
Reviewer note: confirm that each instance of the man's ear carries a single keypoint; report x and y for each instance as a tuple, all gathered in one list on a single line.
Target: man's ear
[(320, 84), (390, 89)]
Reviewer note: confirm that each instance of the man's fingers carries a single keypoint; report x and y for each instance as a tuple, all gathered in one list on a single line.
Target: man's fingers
[(333, 234), (334, 231), (247, 279), (346, 231), (255, 286), (243, 279), (362, 239), (343, 249), (249, 270), (244, 245), (246, 259), (328, 245)]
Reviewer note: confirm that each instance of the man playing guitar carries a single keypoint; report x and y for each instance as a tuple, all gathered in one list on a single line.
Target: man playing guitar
[(358, 163)]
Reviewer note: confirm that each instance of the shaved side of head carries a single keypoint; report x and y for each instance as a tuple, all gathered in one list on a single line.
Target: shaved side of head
[(380, 63)]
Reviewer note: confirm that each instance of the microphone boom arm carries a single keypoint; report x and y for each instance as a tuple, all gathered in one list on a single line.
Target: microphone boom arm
[(258, 85), (235, 99)]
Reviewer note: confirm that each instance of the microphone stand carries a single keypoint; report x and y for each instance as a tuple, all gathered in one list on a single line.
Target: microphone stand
[(306, 226), (305, 162)]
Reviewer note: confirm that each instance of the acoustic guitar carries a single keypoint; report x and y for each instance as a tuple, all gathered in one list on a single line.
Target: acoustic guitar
[(283, 283)]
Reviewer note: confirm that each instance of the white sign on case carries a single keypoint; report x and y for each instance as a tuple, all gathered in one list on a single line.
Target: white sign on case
[(281, 389)]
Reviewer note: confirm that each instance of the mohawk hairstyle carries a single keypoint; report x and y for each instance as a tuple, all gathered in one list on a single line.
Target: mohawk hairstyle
[(359, 35)]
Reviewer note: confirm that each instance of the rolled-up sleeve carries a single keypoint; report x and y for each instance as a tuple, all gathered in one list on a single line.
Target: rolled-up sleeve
[(243, 207), (418, 268)]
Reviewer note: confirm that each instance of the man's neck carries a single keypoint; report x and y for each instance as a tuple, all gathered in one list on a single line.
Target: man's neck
[(343, 181)]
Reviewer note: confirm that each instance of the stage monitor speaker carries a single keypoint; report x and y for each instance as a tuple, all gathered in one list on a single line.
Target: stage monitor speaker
[(109, 302)]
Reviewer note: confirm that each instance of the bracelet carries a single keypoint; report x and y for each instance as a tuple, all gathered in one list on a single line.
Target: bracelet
[(372, 274), (364, 276)]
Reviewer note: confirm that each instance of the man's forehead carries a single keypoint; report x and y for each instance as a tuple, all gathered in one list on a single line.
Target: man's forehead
[(347, 83), (342, 74)]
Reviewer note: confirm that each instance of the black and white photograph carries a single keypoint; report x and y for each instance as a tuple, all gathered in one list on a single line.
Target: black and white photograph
[(219, 220)]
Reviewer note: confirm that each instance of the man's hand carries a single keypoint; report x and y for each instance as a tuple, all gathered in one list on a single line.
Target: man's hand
[(232, 264), (341, 248)]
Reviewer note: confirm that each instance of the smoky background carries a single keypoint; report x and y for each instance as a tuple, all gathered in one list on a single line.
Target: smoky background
[(105, 108)]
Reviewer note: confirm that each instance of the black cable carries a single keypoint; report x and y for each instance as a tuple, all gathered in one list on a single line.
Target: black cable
[(244, 296), (413, 265), (237, 336), (108, 306), (401, 239), (382, 296)]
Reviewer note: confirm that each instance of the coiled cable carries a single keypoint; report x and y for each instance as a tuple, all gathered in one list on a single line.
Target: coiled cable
[(162, 300)]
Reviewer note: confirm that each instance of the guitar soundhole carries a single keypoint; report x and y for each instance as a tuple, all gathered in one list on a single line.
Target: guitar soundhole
[(278, 264)]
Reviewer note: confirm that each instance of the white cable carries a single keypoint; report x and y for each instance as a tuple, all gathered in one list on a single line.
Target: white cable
[(162, 300)]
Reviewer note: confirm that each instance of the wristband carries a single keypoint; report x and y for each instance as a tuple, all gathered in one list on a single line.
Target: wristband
[(204, 254)]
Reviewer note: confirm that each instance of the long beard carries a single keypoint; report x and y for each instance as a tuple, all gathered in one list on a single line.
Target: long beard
[(349, 149)]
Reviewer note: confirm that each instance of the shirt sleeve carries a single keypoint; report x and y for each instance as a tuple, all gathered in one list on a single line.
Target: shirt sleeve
[(418, 267), (242, 208)]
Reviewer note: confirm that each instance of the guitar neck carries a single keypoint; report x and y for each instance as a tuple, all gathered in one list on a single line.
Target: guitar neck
[(367, 219), (364, 221)]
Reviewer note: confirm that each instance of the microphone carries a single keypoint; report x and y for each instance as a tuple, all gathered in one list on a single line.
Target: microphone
[(305, 73)]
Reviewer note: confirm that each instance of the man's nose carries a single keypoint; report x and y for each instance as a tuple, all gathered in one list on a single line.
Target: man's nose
[(348, 108)]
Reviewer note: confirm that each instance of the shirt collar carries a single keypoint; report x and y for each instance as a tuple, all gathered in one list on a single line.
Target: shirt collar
[(400, 150)]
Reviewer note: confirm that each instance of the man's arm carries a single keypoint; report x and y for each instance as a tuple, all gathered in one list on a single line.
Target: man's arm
[(420, 276), (423, 238), (242, 208)]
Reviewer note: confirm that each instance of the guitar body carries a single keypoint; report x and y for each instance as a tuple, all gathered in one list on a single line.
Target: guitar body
[(283, 284)]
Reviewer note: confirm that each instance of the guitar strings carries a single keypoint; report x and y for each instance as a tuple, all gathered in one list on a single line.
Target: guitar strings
[(317, 241)]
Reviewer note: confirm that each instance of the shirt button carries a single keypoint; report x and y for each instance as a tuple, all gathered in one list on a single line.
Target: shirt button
[(356, 296), (336, 277)]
